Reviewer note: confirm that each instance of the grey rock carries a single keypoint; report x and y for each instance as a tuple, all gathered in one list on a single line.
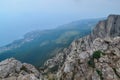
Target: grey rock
[(105, 38), (12, 69), (9, 66)]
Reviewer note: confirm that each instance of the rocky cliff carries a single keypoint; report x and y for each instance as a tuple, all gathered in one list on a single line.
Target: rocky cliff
[(107, 28), (100, 62), (94, 57)]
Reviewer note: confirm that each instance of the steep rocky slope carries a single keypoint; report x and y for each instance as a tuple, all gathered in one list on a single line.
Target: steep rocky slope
[(100, 62), (94, 57)]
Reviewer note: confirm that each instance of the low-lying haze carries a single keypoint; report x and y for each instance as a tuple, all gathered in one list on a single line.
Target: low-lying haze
[(20, 16)]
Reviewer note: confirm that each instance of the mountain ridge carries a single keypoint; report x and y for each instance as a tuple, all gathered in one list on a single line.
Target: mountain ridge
[(83, 58), (45, 44)]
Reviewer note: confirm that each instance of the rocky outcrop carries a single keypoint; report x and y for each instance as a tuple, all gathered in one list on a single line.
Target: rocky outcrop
[(101, 62), (11, 69), (107, 28), (93, 57)]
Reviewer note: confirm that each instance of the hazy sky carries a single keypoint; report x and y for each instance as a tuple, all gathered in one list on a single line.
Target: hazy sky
[(20, 16)]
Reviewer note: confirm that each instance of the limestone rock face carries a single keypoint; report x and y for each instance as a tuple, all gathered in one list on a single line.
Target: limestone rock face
[(9, 66), (101, 62), (12, 69), (107, 28), (93, 57)]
